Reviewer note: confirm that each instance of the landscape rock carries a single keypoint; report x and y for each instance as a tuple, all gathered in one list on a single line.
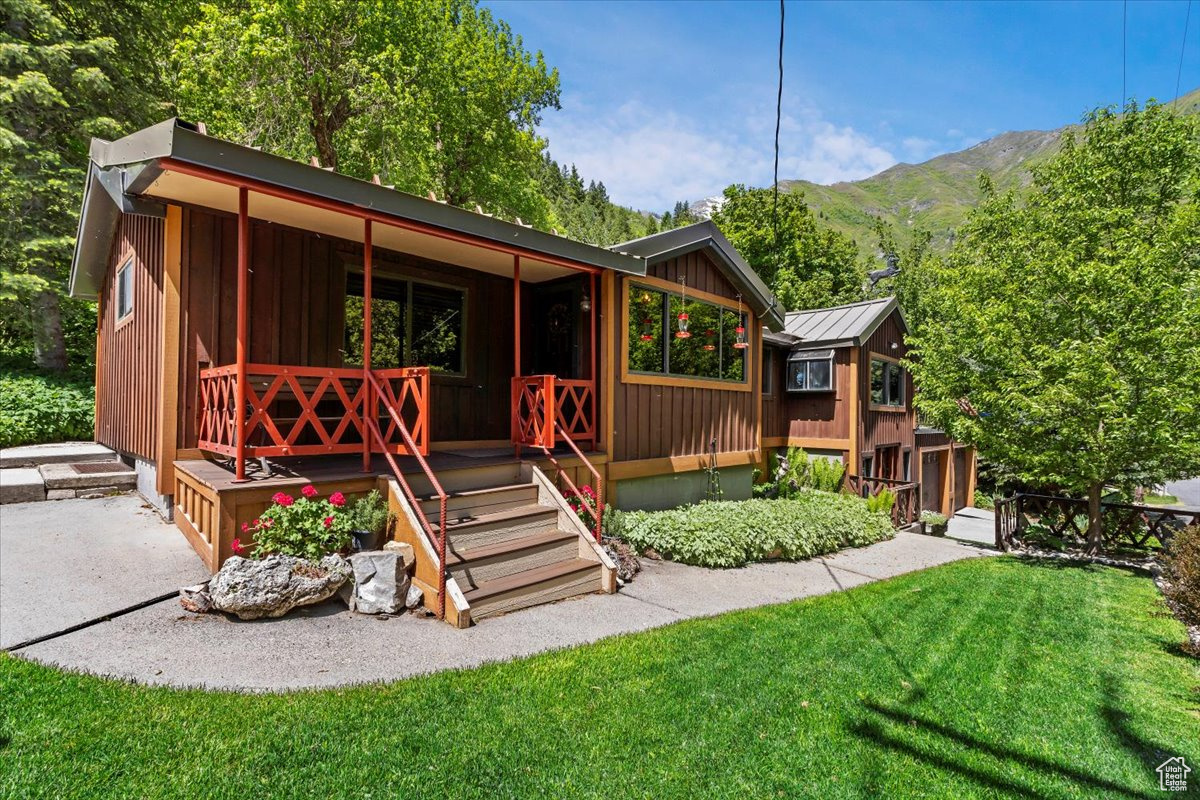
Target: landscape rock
[(404, 549), (273, 586), (196, 598), (381, 582), (413, 598)]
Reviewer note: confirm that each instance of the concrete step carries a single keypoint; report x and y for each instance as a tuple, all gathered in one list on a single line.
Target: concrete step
[(86, 479), (21, 485), (34, 455)]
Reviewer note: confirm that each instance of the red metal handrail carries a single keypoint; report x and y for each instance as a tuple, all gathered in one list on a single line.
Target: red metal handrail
[(437, 541), (596, 513)]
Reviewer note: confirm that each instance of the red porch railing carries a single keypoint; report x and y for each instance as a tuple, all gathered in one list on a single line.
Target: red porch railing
[(295, 411), (547, 410), (907, 507)]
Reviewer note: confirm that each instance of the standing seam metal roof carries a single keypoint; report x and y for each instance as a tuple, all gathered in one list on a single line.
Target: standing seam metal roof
[(850, 324)]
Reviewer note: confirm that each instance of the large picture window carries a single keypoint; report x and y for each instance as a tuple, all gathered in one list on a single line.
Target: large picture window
[(887, 383), (810, 371), (709, 351), (413, 324)]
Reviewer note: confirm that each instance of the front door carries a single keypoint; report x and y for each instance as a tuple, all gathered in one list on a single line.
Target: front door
[(557, 330), (887, 462)]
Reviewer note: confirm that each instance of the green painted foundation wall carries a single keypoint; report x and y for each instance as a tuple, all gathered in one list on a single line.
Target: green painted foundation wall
[(657, 492)]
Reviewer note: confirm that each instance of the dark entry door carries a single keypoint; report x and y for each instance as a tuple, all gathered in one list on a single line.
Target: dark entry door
[(887, 462), (557, 330), (931, 482)]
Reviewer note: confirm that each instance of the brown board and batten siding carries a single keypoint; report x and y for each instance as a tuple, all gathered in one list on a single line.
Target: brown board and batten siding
[(885, 427), (297, 316), (654, 420), (128, 366), (815, 415)]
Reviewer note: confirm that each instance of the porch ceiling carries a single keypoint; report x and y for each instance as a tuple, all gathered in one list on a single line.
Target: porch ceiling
[(176, 187)]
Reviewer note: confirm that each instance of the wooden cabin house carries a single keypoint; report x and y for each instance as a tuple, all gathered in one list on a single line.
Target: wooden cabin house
[(265, 323), (833, 384)]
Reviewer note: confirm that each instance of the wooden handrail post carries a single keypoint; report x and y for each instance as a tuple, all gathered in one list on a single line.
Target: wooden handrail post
[(368, 407), (243, 330)]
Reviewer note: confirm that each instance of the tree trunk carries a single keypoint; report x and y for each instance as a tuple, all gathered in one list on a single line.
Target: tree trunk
[(1095, 539), (49, 346)]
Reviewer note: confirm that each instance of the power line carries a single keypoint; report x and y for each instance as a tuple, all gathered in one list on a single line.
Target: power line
[(778, 117), (1182, 50)]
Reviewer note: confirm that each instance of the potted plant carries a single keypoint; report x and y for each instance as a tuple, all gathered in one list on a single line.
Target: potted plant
[(306, 527), (368, 519), (933, 523)]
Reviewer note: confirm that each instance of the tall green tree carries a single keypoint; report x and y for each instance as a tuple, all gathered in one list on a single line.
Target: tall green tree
[(433, 95), (68, 71), (1065, 346), (811, 267), (918, 264)]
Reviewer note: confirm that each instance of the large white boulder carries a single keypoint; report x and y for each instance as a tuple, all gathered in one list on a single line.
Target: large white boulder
[(273, 586), (380, 582)]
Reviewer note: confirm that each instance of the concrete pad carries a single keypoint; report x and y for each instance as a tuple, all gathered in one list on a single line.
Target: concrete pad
[(973, 525), (65, 476), (21, 485), (908, 552), (32, 455), (327, 645), (67, 562)]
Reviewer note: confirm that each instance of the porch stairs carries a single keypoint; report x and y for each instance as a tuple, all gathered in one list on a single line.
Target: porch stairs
[(511, 542)]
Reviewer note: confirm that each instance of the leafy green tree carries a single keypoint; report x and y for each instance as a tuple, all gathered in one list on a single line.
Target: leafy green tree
[(918, 265), (433, 95), (812, 266), (1065, 345)]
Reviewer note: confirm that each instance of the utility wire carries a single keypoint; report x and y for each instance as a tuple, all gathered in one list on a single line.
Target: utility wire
[(778, 117), (1182, 50)]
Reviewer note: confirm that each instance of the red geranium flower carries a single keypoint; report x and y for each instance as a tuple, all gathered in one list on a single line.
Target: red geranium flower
[(236, 544), (338, 499), (309, 491), (245, 527), (282, 499), (328, 522)]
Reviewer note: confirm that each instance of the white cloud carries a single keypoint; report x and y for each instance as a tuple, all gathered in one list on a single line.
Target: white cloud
[(649, 158)]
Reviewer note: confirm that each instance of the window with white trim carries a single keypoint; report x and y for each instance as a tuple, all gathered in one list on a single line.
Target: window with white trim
[(887, 383)]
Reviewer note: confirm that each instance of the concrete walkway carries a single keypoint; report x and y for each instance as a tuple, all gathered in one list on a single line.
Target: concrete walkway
[(973, 525), (64, 563), (326, 645)]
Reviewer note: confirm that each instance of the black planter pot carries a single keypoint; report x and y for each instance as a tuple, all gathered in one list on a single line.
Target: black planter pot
[(364, 540)]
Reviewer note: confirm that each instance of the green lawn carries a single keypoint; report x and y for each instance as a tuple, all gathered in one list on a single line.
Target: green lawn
[(981, 678)]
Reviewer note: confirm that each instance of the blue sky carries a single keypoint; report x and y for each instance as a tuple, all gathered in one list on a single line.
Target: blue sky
[(675, 100)]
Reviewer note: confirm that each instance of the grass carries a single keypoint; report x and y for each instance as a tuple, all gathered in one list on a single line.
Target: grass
[(1160, 500), (992, 677)]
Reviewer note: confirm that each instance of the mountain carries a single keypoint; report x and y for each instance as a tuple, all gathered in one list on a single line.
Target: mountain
[(936, 194)]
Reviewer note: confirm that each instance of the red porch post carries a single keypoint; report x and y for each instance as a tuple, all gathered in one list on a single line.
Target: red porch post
[(595, 301), (368, 408), (243, 329), (516, 348)]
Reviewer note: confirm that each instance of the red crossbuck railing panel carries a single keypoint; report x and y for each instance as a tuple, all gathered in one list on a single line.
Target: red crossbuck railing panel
[(295, 411), (533, 411), (574, 406)]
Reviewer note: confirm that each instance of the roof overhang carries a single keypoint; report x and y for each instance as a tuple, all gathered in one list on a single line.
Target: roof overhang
[(173, 162), (706, 236), (860, 337)]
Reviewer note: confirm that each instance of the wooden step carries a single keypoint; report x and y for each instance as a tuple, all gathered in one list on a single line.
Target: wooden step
[(533, 587), (475, 566), (483, 501), (498, 526)]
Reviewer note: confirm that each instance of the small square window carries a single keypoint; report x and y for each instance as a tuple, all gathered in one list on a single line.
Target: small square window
[(810, 371), (125, 290)]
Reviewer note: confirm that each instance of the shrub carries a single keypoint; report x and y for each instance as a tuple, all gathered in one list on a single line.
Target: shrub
[(306, 528), (1181, 568), (984, 501), (731, 534), (882, 502), (368, 513), (933, 518), (37, 408), (796, 472)]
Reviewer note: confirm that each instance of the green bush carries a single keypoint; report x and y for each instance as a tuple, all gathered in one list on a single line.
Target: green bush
[(38, 408), (1181, 568), (731, 534), (882, 501), (367, 513), (795, 473)]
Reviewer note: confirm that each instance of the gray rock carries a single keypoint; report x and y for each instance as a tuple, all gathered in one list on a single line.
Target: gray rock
[(275, 585), (414, 597), (196, 598), (380, 582), (404, 549)]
